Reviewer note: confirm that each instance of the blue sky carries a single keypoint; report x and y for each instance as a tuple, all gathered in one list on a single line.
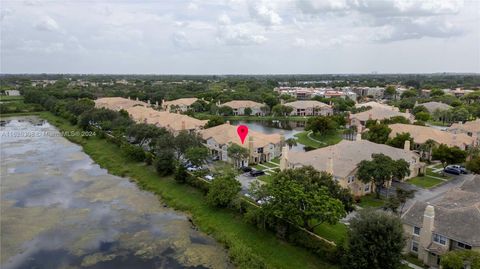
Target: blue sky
[(240, 36)]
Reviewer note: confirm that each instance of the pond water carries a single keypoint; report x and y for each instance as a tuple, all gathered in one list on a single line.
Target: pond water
[(61, 210), (289, 128)]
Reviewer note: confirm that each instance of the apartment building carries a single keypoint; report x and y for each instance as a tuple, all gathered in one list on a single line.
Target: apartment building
[(261, 147), (178, 105), (239, 107), (310, 108), (451, 223), (421, 134), (341, 160)]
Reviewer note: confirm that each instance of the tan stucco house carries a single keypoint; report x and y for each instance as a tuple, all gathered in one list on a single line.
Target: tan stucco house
[(341, 160), (450, 223), (262, 147), (239, 106), (310, 108), (421, 134), (178, 105)]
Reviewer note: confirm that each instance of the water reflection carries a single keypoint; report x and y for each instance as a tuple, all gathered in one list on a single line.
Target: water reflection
[(60, 210), (289, 128)]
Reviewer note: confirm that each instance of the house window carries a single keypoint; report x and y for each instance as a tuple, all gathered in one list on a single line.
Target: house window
[(350, 179), (462, 245), (414, 246), (439, 239), (367, 187), (416, 230)]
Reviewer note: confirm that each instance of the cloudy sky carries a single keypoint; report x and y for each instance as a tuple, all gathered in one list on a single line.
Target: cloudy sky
[(240, 36)]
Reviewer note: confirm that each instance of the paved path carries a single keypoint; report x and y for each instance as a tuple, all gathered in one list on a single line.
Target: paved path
[(430, 195), (309, 135), (411, 265)]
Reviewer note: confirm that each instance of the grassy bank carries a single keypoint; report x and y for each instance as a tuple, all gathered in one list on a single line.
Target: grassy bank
[(248, 246)]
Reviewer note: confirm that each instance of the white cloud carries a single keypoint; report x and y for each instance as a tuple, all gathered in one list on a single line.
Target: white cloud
[(224, 19), (130, 36), (240, 34), (180, 40), (264, 14), (46, 23)]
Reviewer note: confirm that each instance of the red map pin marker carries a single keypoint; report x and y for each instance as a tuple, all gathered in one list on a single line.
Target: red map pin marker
[(242, 132)]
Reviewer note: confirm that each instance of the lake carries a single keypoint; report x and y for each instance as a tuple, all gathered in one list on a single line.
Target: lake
[(61, 210), (289, 128)]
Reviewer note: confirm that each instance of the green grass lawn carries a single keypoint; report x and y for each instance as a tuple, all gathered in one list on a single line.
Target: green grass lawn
[(10, 98), (336, 233), (370, 200), (425, 182), (276, 160), (266, 178), (271, 165), (430, 172), (327, 140), (243, 241)]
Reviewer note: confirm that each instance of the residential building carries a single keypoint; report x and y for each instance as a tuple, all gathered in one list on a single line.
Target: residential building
[(375, 92), (182, 104), (452, 222), (421, 134), (171, 121), (377, 113), (374, 104), (12, 92), (239, 106), (141, 112), (471, 128), (262, 147), (434, 106), (118, 103), (310, 108), (341, 160)]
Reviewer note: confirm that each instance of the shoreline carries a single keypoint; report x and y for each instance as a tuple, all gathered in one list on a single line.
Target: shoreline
[(247, 246)]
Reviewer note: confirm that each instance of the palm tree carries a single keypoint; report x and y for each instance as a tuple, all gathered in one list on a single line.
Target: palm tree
[(291, 142), (426, 148)]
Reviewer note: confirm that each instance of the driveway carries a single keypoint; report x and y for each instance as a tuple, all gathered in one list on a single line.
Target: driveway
[(245, 179), (428, 195)]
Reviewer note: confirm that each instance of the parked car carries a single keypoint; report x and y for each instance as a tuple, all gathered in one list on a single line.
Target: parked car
[(215, 158), (193, 168), (459, 167), (246, 169), (209, 177), (452, 170), (264, 200), (256, 173)]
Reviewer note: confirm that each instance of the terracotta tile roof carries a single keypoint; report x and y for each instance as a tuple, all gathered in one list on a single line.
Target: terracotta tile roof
[(457, 213), (346, 156), (173, 121), (379, 113), (236, 104), (433, 106), (117, 103), (181, 102), (421, 134), (373, 104), (226, 133), (469, 126)]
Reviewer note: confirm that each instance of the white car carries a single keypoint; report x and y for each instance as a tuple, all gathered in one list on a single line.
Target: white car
[(209, 177), (192, 168)]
